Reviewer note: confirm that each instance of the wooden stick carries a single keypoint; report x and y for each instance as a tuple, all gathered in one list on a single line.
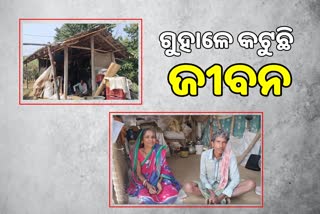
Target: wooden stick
[(112, 70), (93, 72), (60, 83), (113, 59), (27, 74), (54, 72), (218, 122), (246, 152), (65, 71), (38, 44), (89, 49), (211, 128)]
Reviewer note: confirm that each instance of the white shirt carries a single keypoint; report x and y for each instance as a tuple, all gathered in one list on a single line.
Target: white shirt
[(83, 88), (210, 172)]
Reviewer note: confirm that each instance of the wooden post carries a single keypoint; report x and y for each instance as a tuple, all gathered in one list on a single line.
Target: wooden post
[(60, 78), (211, 127), (54, 72), (39, 66), (93, 73), (65, 71), (232, 125), (194, 130), (218, 123), (27, 75), (248, 125), (113, 59)]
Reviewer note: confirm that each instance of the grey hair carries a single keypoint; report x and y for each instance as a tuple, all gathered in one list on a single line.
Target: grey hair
[(220, 133)]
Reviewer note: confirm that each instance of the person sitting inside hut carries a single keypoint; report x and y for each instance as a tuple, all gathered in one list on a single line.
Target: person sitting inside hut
[(81, 88), (48, 90), (152, 180), (219, 174)]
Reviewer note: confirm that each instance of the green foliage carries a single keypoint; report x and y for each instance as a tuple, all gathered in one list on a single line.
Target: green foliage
[(68, 30), (32, 72), (129, 67)]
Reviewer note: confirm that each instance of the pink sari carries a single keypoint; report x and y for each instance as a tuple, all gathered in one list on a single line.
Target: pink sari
[(153, 166)]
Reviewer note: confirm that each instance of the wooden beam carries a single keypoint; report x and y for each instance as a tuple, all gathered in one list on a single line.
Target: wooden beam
[(194, 130), (218, 122), (119, 59), (36, 44), (89, 49), (65, 71), (27, 75), (118, 50), (39, 66), (84, 35), (93, 72), (54, 72), (104, 39), (115, 48)]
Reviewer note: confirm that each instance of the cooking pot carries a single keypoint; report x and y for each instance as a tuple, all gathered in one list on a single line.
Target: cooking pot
[(184, 152), (192, 150)]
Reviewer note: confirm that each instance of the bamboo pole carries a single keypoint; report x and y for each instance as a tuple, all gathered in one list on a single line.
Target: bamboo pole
[(89, 49), (246, 152), (60, 84), (113, 59), (93, 73), (39, 66), (218, 122), (27, 76), (194, 130), (54, 72), (65, 71), (210, 119)]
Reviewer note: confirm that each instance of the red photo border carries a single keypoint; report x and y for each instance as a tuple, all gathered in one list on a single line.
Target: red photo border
[(184, 206), (84, 103)]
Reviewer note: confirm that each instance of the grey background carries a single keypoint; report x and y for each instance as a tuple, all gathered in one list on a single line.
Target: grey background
[(53, 159)]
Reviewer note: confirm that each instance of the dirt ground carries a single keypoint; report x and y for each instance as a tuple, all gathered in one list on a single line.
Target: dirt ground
[(27, 90)]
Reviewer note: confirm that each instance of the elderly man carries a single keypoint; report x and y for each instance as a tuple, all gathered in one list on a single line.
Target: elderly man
[(219, 175), (81, 88)]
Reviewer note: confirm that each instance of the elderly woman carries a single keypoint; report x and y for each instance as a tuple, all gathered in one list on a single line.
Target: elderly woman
[(152, 180), (219, 174)]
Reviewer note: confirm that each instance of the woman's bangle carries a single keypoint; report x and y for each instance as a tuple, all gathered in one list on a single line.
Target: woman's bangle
[(144, 182)]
